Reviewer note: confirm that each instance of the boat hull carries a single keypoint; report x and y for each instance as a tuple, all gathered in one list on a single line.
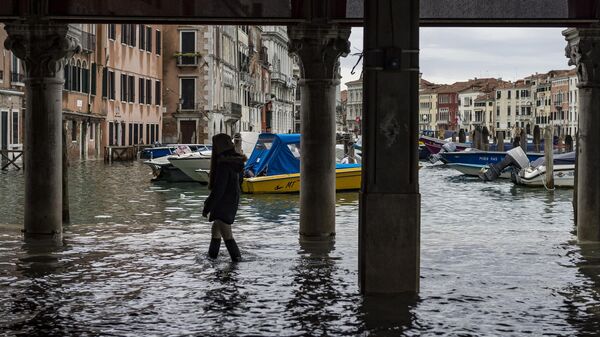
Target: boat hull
[(564, 176), (188, 164), (163, 170), (480, 158), (345, 179), (475, 170)]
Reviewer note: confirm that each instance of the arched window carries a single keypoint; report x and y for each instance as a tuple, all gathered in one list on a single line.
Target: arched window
[(78, 77), (85, 78), (67, 76)]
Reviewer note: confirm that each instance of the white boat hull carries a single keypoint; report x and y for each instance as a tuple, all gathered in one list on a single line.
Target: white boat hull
[(564, 176), (189, 163)]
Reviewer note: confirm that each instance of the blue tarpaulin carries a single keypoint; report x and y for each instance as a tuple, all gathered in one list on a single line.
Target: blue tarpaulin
[(276, 154)]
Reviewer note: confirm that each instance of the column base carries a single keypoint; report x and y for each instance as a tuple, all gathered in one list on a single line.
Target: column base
[(316, 238), (389, 243)]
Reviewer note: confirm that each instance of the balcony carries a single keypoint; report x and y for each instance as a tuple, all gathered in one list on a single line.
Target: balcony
[(187, 59), (16, 77), (88, 42), (190, 107), (279, 77), (233, 112)]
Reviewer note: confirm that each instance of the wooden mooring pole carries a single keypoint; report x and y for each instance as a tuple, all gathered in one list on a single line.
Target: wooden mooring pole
[(548, 148)]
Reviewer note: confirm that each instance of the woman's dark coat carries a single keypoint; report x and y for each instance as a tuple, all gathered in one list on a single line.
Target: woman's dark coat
[(222, 203)]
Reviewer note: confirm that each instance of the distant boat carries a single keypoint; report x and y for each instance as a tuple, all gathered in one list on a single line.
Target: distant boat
[(162, 151), (163, 170), (274, 167), (434, 145)]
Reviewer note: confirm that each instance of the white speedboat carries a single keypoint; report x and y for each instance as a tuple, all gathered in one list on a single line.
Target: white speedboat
[(188, 163), (564, 176), (535, 173), (163, 170)]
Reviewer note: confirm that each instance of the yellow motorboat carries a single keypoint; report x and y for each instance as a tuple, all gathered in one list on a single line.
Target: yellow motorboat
[(345, 179)]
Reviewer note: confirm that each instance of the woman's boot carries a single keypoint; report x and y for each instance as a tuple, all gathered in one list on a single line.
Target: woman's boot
[(213, 249), (233, 250)]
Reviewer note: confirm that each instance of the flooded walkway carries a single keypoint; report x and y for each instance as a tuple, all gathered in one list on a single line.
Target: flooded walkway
[(496, 260)]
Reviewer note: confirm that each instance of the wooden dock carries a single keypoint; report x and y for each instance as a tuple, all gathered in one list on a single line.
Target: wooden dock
[(119, 153), (11, 159)]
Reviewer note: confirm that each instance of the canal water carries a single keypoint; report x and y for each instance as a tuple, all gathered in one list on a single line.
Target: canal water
[(496, 260)]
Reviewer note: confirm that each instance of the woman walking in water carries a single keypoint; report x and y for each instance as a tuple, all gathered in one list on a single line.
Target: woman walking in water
[(226, 167)]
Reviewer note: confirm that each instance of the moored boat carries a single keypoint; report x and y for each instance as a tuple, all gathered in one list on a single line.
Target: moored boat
[(535, 175), (188, 163), (481, 158), (163, 170), (274, 167), (169, 149)]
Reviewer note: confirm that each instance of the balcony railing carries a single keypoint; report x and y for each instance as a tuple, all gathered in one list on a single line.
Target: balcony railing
[(187, 60), (88, 42), (16, 77), (191, 107)]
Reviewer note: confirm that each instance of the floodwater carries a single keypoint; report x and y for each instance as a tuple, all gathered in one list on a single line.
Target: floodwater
[(496, 260)]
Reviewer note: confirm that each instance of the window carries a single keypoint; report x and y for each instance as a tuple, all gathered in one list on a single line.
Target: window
[(149, 39), (135, 134), (142, 37), (73, 131), (509, 94), (111, 135), (15, 127), (187, 93), (130, 134), (498, 94), (111, 84), (509, 125), (158, 42), (67, 76), (123, 87), (112, 31), (157, 93), (517, 93), (131, 89), (148, 141), (508, 110), (128, 34), (93, 84), (142, 91), (148, 91), (187, 46), (85, 78)]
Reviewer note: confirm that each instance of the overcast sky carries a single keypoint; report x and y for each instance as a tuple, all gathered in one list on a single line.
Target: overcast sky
[(457, 54)]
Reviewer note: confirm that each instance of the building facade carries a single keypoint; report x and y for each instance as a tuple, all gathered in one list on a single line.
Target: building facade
[(280, 115), (11, 98), (354, 105)]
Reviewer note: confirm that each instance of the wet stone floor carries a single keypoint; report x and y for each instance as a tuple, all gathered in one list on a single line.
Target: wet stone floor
[(496, 260)]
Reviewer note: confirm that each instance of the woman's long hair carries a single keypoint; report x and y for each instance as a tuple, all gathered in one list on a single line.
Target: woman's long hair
[(221, 143)]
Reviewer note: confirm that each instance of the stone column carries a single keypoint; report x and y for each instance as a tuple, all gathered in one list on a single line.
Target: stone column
[(318, 47), (583, 51), (42, 46), (390, 203)]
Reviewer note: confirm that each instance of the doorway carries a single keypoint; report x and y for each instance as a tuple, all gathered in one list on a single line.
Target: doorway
[(4, 131), (188, 132)]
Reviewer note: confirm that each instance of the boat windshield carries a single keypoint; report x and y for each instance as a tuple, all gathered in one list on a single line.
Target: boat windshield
[(264, 144), (295, 149)]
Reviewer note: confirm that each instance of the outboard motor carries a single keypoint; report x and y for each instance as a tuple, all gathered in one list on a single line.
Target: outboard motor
[(515, 158), (447, 147)]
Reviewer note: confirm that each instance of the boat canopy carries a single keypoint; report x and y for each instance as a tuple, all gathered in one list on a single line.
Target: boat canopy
[(276, 154), (567, 158)]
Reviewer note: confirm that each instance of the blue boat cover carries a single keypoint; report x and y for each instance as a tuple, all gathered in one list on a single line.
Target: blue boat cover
[(276, 154), (567, 158)]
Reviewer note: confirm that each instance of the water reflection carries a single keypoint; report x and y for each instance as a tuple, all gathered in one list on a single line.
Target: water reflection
[(582, 298), (36, 308), (386, 315)]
